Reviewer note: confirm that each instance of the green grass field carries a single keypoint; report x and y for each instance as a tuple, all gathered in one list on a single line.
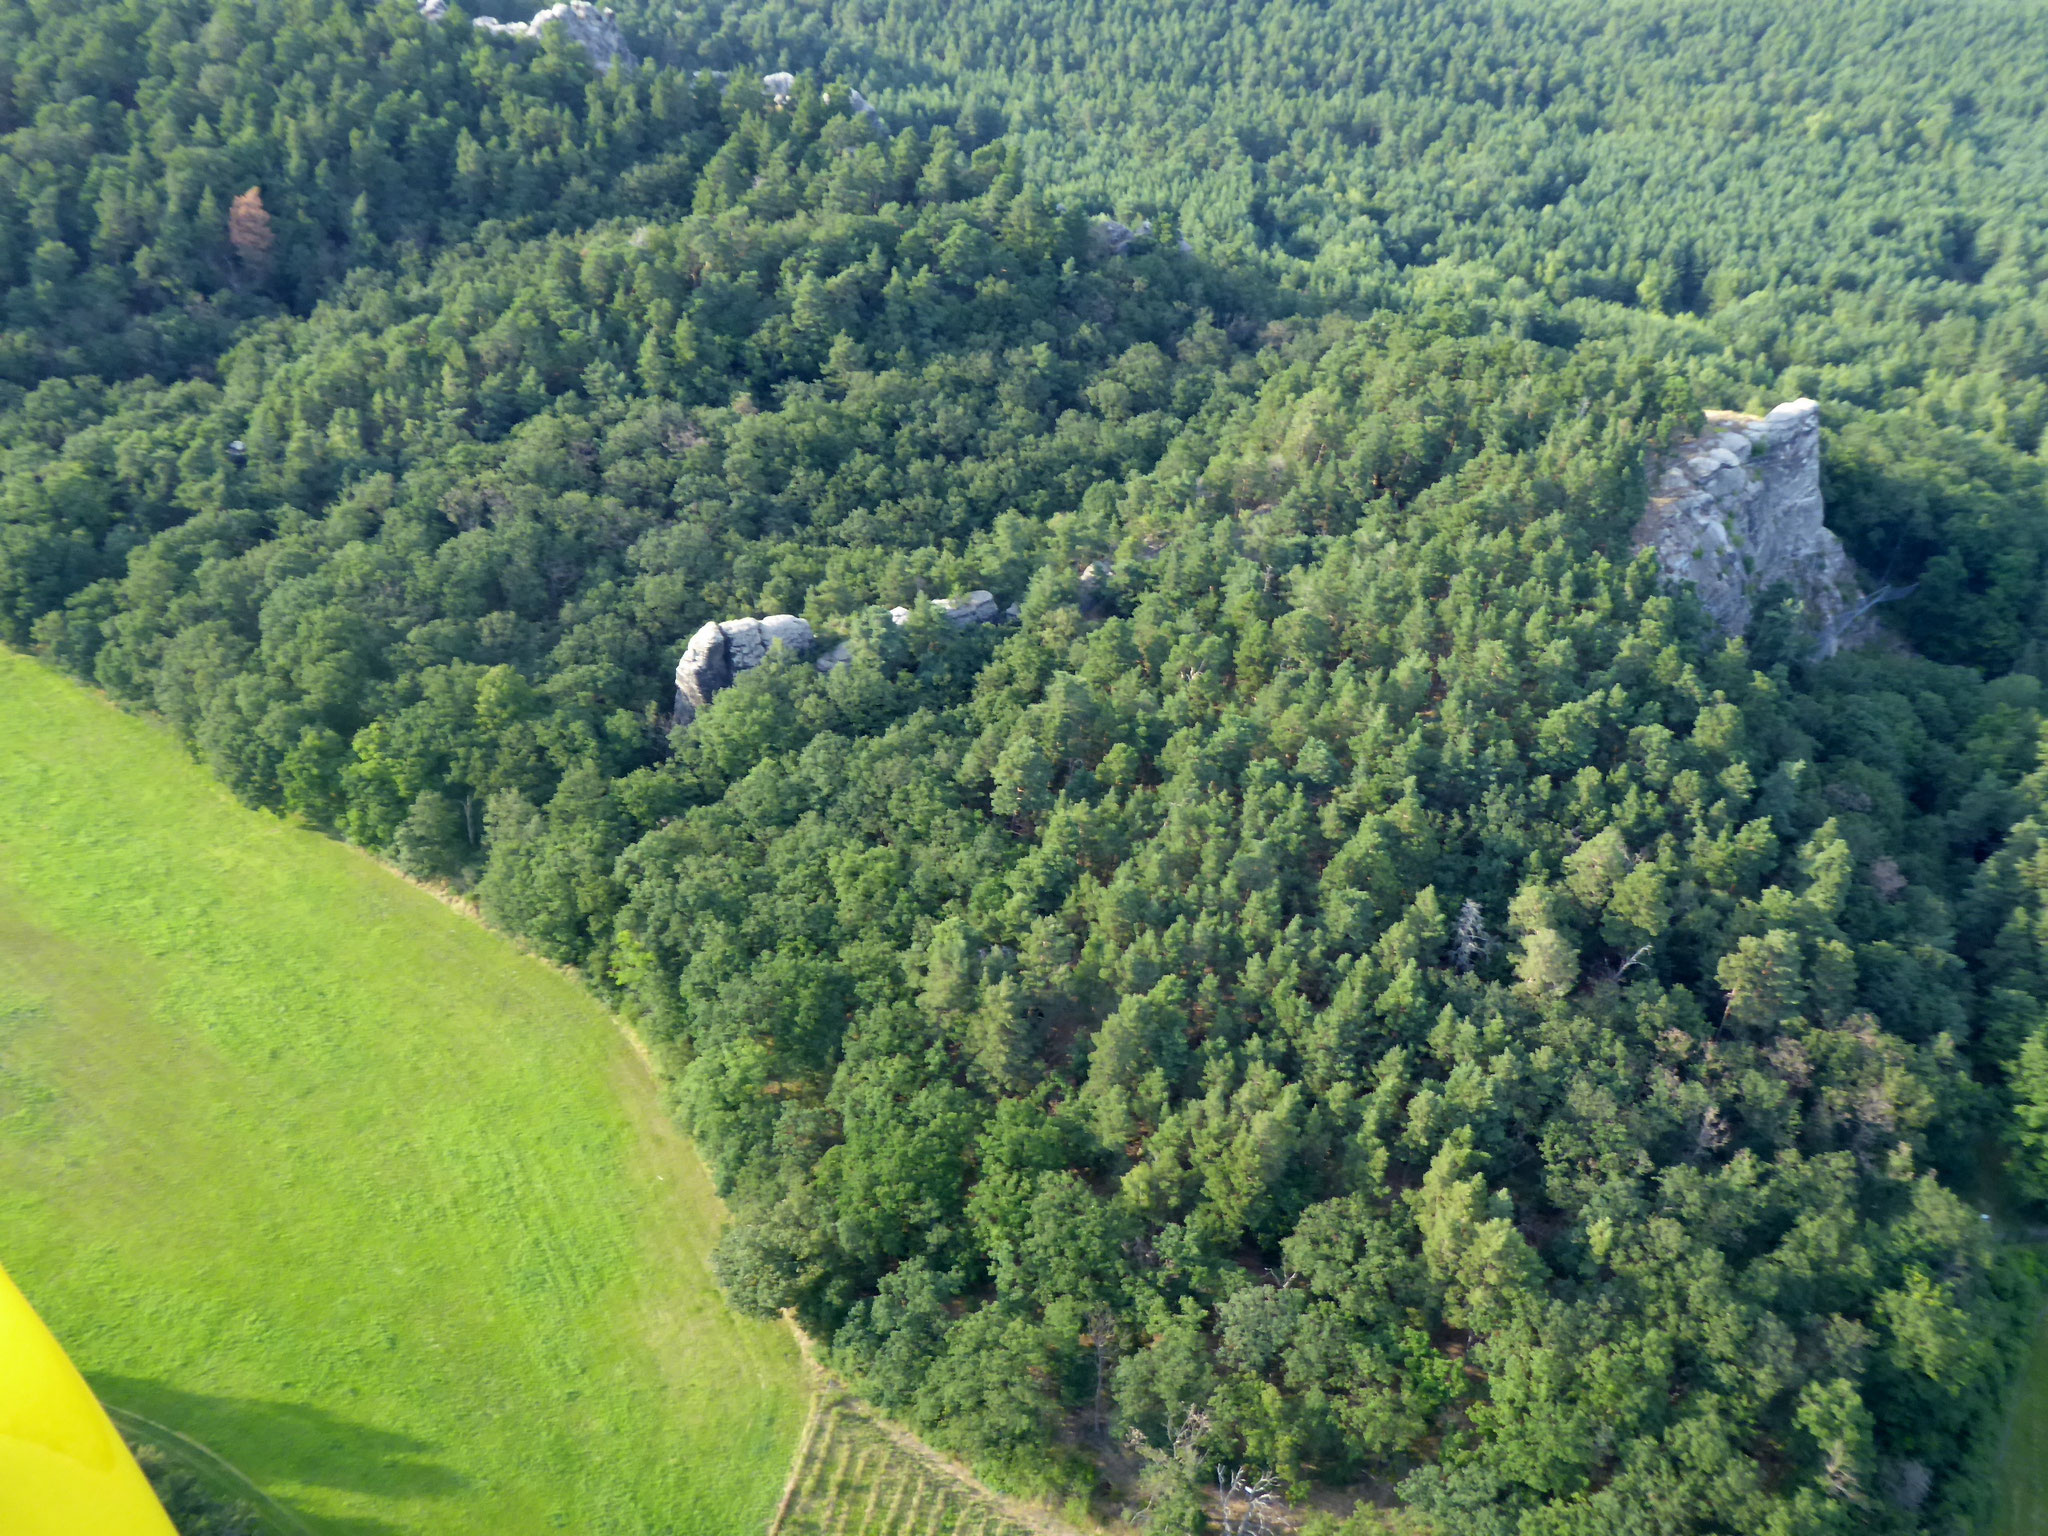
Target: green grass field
[(2023, 1458), (305, 1166)]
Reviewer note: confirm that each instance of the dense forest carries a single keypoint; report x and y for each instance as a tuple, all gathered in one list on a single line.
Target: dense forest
[(1358, 979)]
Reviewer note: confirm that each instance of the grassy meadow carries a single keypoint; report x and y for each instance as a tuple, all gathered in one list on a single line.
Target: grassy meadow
[(304, 1166), (2022, 1508)]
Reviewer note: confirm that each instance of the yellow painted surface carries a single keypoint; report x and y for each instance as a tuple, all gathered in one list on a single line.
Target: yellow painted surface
[(63, 1468)]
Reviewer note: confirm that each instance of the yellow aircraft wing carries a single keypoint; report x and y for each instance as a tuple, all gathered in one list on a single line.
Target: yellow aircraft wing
[(63, 1468)]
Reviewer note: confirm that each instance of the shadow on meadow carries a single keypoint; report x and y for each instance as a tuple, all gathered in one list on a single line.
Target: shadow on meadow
[(273, 1442)]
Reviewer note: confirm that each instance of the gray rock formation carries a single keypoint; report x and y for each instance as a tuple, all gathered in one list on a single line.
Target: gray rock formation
[(1113, 238), (1738, 509), (583, 22), (964, 613), (862, 107), (719, 652), (781, 85), (961, 613), (1096, 602)]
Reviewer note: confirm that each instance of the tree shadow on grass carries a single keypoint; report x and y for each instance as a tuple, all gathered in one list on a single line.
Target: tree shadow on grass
[(271, 1441)]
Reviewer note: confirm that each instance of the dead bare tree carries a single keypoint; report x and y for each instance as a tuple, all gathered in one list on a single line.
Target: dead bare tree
[(1170, 1476), (1713, 1134), (1470, 942), (249, 231), (1248, 1505), (1620, 968), (1829, 640)]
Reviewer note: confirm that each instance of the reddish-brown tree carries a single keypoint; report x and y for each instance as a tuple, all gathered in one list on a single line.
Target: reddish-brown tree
[(249, 230)]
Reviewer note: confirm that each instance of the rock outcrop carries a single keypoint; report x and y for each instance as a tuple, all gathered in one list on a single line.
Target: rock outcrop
[(961, 613), (1737, 510), (594, 28), (781, 85), (1113, 238), (719, 652)]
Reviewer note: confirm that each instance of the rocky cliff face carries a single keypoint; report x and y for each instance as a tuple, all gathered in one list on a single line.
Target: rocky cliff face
[(1737, 510), (719, 652)]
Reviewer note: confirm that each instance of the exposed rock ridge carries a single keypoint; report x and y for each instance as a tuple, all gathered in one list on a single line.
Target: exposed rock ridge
[(962, 613), (722, 649), (596, 28), (593, 27), (1738, 509)]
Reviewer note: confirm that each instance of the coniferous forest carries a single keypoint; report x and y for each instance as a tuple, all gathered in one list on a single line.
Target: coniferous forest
[(1357, 978)]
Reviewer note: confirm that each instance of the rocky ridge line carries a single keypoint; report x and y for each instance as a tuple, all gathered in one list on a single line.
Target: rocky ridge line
[(724, 648), (595, 28)]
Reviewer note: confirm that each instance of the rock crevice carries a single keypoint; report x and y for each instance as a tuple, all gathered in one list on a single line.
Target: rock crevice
[(720, 651)]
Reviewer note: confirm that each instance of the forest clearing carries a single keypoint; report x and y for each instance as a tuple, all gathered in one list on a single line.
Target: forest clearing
[(304, 1166)]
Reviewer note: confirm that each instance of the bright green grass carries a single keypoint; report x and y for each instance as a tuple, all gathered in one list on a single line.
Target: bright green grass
[(2023, 1458), (305, 1166)]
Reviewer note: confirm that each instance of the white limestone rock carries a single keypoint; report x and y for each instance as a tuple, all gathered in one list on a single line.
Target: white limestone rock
[(781, 85), (596, 29), (719, 652), (976, 607), (963, 613), (1738, 509)]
